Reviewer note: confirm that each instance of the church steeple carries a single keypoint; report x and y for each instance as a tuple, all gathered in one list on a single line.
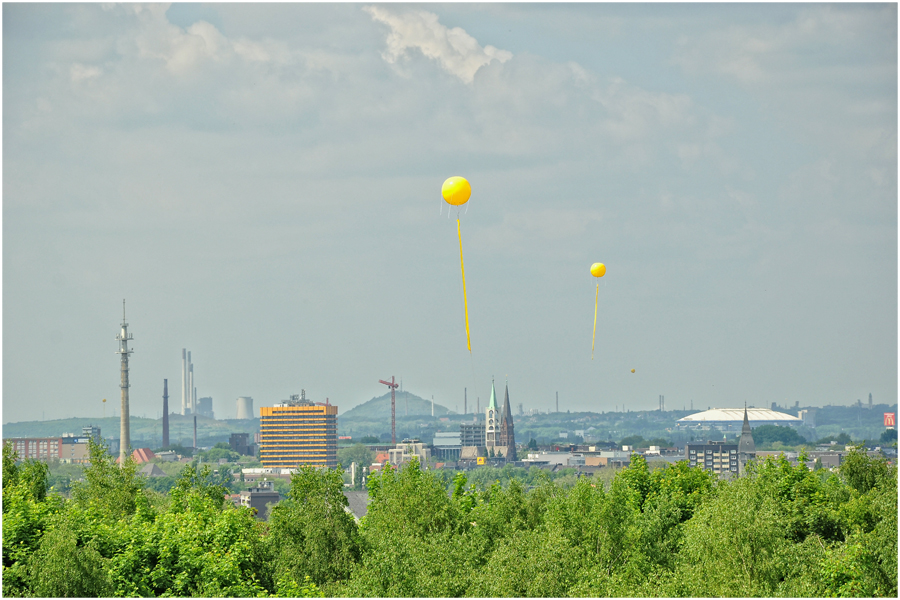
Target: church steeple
[(507, 438), (506, 414), (493, 403), (491, 421), (746, 445)]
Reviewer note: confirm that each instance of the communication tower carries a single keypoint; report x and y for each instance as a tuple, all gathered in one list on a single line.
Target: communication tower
[(124, 433)]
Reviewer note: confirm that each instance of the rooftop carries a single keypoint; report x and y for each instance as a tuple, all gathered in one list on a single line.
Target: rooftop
[(737, 414)]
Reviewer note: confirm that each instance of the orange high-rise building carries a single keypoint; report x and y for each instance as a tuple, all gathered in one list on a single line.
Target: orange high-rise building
[(298, 433)]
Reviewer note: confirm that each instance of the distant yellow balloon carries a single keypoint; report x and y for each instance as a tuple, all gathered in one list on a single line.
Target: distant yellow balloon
[(598, 269), (632, 370), (456, 191)]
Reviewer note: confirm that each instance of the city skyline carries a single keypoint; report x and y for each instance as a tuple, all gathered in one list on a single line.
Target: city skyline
[(261, 184)]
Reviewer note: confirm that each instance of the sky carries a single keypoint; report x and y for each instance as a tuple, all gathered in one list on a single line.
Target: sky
[(261, 185)]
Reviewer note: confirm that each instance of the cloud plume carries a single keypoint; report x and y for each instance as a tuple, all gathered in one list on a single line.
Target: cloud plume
[(456, 51)]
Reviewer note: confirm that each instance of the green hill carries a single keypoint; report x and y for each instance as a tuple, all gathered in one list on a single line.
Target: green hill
[(406, 404), (144, 432)]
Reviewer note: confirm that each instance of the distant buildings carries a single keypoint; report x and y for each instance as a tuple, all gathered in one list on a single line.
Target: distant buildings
[(245, 408), (259, 497), (240, 443), (720, 457), (408, 449), (205, 407), (298, 432), (67, 448), (494, 436), (731, 419), (716, 456), (447, 445)]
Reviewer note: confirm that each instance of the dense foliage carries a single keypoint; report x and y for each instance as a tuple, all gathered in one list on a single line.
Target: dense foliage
[(766, 434), (782, 530)]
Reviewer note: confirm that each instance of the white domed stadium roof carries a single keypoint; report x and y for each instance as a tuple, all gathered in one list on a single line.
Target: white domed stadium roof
[(719, 415)]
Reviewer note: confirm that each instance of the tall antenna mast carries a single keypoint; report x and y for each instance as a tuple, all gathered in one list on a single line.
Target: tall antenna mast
[(124, 432)]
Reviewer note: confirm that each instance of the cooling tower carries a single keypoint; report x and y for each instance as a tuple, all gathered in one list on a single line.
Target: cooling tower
[(245, 408)]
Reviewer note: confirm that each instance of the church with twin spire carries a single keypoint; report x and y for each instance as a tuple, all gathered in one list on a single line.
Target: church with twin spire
[(493, 437), (499, 433)]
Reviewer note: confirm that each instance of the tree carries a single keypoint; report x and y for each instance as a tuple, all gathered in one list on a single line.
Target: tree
[(767, 434), (111, 488), (312, 533), (357, 453), (633, 440), (888, 436), (842, 439)]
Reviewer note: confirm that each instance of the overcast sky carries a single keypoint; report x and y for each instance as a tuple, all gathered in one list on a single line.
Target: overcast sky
[(261, 184)]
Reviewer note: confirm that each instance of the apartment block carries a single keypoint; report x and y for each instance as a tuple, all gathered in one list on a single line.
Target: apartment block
[(298, 433)]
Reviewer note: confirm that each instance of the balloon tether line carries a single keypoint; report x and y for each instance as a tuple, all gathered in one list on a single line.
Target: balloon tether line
[(462, 267), (594, 337)]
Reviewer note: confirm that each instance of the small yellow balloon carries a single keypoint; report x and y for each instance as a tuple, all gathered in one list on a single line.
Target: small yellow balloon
[(632, 370), (456, 191), (598, 269)]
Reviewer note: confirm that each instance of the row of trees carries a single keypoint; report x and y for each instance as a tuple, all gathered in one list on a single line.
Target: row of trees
[(782, 530)]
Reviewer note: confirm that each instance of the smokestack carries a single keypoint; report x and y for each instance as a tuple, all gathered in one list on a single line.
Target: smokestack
[(190, 388), (165, 423), (183, 381), (195, 431)]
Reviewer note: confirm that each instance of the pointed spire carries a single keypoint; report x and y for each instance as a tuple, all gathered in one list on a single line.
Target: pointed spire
[(493, 403), (506, 413), (746, 426)]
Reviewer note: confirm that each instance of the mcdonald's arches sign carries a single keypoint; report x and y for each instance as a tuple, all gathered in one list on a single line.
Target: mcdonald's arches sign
[(889, 420)]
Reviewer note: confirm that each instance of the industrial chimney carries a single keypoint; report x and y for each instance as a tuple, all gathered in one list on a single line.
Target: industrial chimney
[(165, 419)]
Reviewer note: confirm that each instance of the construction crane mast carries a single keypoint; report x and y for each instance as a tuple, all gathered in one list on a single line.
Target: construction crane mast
[(393, 387)]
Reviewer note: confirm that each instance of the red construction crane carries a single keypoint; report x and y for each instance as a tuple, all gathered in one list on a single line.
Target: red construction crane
[(393, 387)]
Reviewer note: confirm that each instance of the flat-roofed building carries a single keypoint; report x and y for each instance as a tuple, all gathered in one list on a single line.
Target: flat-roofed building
[(259, 498), (447, 445), (718, 457), (37, 448), (409, 449), (732, 419), (298, 433)]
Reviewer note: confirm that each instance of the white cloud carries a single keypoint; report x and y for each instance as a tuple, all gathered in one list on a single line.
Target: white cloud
[(80, 72), (456, 51)]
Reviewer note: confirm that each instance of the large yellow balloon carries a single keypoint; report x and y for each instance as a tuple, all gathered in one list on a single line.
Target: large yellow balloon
[(632, 370), (598, 269), (456, 191)]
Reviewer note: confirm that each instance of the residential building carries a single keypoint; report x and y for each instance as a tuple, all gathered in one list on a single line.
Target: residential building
[(298, 433), (260, 497), (240, 443), (471, 434), (406, 450), (37, 448), (719, 457)]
